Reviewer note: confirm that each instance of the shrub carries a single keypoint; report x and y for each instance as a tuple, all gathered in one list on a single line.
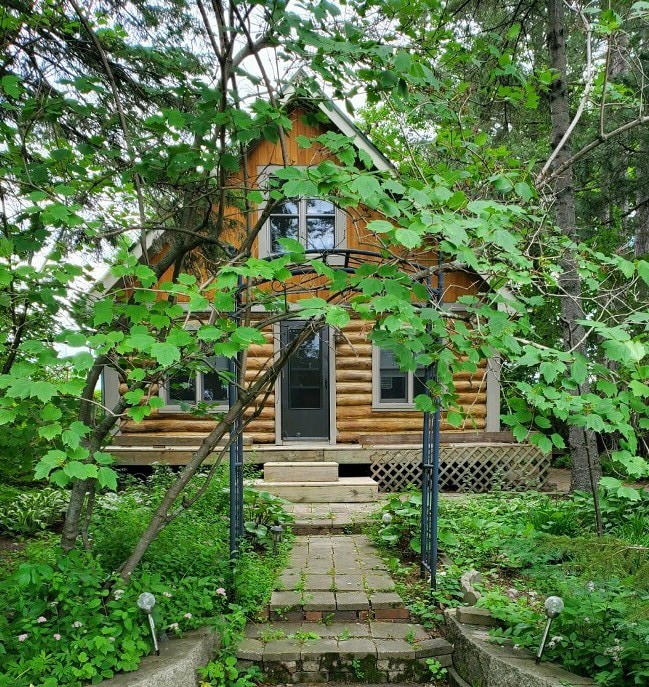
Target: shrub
[(32, 511)]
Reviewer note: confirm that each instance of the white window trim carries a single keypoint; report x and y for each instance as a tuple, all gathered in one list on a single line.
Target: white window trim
[(263, 174), (216, 407), (379, 405)]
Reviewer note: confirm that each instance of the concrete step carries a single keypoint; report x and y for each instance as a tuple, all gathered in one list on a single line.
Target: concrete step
[(307, 471), (345, 490), (369, 652), (336, 606)]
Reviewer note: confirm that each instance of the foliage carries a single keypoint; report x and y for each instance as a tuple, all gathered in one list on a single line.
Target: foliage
[(65, 623), (225, 673), (531, 546), (401, 524), (31, 511), (261, 511)]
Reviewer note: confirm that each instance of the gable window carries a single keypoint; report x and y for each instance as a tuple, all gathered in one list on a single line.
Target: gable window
[(317, 224), (393, 388), (191, 388)]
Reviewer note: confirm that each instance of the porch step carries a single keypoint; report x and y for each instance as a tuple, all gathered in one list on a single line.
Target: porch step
[(345, 490), (372, 652), (301, 472)]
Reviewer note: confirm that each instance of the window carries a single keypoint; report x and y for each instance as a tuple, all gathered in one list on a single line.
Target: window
[(317, 224), (196, 387), (392, 387)]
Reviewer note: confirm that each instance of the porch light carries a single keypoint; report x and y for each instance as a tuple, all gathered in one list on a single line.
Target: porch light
[(146, 602), (553, 606), (277, 535)]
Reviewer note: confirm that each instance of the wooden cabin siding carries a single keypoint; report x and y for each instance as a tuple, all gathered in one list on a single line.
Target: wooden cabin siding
[(355, 416)]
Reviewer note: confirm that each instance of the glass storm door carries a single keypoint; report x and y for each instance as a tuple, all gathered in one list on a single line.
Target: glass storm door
[(305, 386)]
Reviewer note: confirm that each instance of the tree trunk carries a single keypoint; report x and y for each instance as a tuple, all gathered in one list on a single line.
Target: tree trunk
[(586, 469)]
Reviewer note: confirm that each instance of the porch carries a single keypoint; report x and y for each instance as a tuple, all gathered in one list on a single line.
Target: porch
[(469, 461)]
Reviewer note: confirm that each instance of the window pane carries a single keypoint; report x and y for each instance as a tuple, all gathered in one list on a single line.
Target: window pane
[(419, 384), (215, 390), (320, 233), (388, 361), (282, 228), (305, 398), (286, 207), (394, 386), (182, 389), (315, 206)]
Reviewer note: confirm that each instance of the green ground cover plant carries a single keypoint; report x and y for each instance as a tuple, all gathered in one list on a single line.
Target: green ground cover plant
[(67, 623), (530, 546)]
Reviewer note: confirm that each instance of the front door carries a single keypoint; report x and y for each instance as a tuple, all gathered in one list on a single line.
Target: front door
[(305, 386)]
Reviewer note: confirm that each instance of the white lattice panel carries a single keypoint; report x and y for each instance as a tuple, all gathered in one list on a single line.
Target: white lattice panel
[(465, 467)]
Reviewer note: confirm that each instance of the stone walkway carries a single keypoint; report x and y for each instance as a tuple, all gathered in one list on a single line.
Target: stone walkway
[(338, 518), (336, 617)]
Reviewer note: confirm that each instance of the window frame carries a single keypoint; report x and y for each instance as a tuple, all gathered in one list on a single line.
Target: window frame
[(215, 407), (265, 240), (377, 403)]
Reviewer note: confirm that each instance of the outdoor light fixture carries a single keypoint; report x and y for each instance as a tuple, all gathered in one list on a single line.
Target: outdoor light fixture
[(146, 602), (277, 534), (553, 606)]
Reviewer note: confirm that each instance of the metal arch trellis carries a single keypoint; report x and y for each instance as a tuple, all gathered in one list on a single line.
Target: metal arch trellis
[(347, 260), (430, 462), (236, 445)]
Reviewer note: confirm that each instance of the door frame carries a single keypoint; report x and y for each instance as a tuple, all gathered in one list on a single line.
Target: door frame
[(277, 341)]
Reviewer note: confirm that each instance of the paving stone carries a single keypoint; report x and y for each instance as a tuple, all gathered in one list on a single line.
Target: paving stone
[(319, 601), (289, 579), (250, 650), (346, 567), (312, 650), (282, 650), (379, 583), (259, 630), (435, 646), (338, 630), (407, 631), (319, 582), (352, 601), (394, 648), (445, 660), (348, 582), (285, 600), (476, 616), (381, 600), (357, 647)]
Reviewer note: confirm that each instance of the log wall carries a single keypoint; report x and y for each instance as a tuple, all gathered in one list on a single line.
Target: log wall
[(354, 414)]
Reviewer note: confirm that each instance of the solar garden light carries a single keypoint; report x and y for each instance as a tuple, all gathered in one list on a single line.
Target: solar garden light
[(386, 519), (553, 606), (277, 535), (146, 602)]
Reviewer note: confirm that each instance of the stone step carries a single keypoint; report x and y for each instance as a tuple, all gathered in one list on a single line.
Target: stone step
[(371, 652), (345, 490), (308, 471), (338, 606)]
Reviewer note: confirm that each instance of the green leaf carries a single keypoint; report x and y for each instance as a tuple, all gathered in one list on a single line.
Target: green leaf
[(523, 190), (165, 353), (78, 470), (44, 391), (380, 226), (50, 431), (454, 418), (643, 271), (107, 478), (407, 237), (11, 85), (103, 312)]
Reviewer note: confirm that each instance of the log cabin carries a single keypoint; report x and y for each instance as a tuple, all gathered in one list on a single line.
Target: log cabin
[(340, 401)]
